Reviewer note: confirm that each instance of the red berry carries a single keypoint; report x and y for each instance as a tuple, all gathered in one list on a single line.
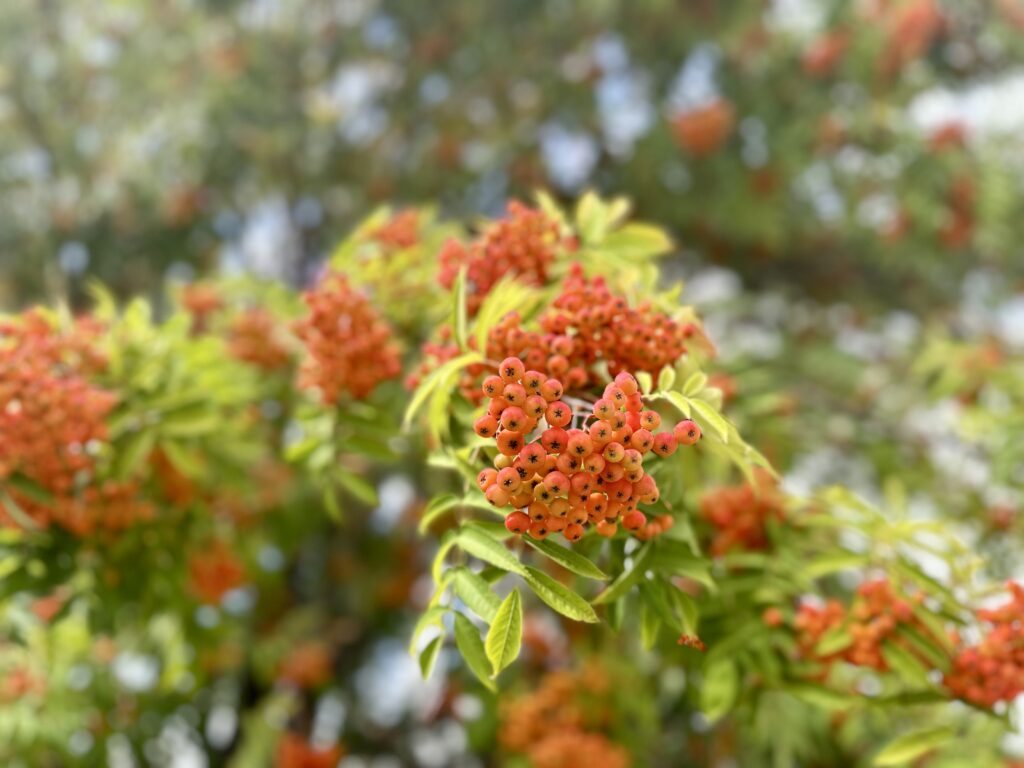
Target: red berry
[(558, 414), (634, 521), (493, 385), (573, 532), (497, 496), (539, 530), (510, 443), (512, 419), (511, 369), (486, 478), (686, 432), (517, 522), (485, 426), (627, 383), (509, 479), (665, 444)]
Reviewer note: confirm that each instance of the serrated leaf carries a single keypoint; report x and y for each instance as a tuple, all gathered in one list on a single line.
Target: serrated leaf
[(436, 508), (666, 378), (429, 384), (483, 546), (625, 580), (459, 319), (560, 597), (680, 402), (636, 242), (911, 746), (643, 378), (712, 418), (506, 633), (432, 617), (568, 559), (468, 641), (476, 594), (695, 383), (428, 656)]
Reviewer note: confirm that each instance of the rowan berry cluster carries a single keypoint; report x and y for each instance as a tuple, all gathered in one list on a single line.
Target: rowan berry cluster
[(307, 665), (349, 346), (993, 670), (586, 324), (525, 244), (255, 338), (201, 301), (401, 231), (874, 619), (295, 751), (214, 571), (569, 476), (53, 421), (562, 724), (704, 130), (741, 514)]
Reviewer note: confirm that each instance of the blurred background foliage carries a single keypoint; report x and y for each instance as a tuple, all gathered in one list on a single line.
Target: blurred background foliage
[(843, 184)]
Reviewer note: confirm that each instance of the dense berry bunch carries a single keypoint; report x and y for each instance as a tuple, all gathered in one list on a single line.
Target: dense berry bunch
[(585, 325), (53, 422), (562, 723), (402, 230), (255, 338), (741, 514), (201, 300), (295, 751), (704, 130), (214, 571), (586, 466), (993, 670), (349, 347), (875, 619), (525, 243)]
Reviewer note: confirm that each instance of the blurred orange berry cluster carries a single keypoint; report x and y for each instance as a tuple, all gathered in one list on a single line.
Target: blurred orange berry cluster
[(741, 514), (524, 244), (53, 424), (350, 348), (993, 670), (214, 571), (702, 131), (876, 618), (563, 723), (255, 338)]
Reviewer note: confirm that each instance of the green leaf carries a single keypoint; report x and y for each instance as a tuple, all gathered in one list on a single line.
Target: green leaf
[(429, 655), (568, 559), (666, 378), (427, 386), (472, 649), (910, 746), (432, 617), (435, 509), (720, 689), (357, 486), (459, 316), (694, 384), (506, 633), (636, 242), (680, 402), (675, 557), (833, 641), (650, 626), (476, 594), (29, 488), (643, 378), (591, 218), (560, 597), (481, 545), (905, 664), (132, 451), (625, 580), (712, 417)]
